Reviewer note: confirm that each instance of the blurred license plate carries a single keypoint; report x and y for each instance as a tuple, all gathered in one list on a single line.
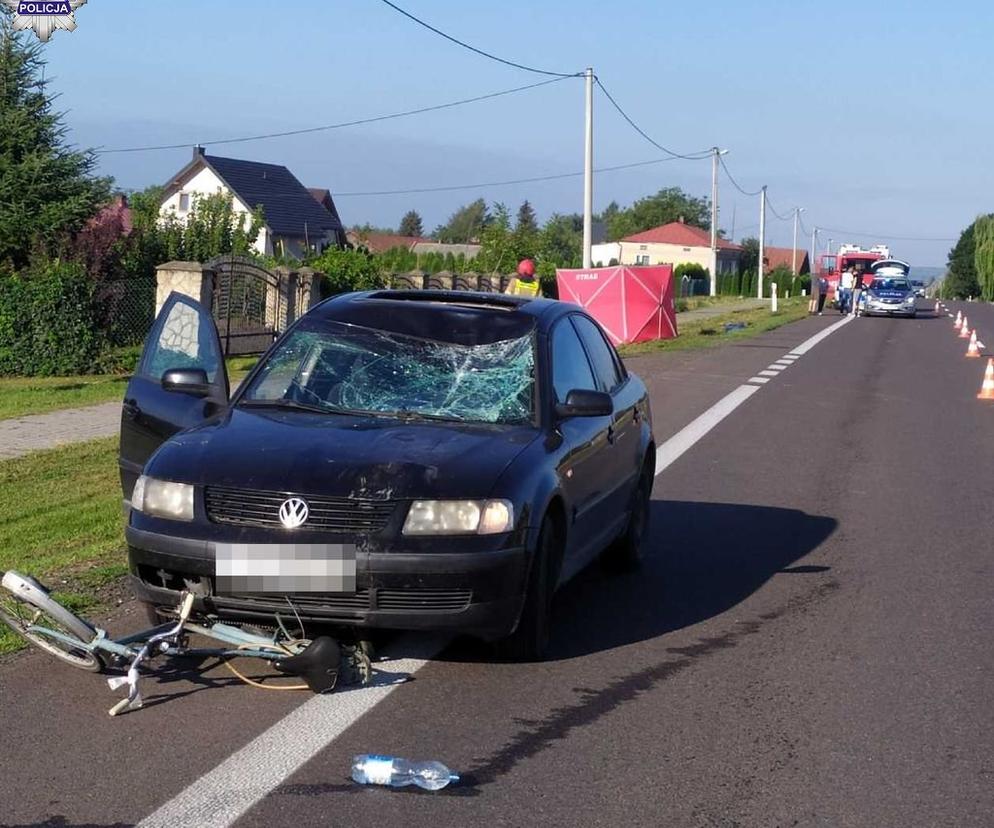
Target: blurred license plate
[(284, 567)]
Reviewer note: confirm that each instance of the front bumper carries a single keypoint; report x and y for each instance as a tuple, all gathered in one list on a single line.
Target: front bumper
[(880, 309), (479, 593)]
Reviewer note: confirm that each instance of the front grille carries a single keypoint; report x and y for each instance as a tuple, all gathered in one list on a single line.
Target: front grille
[(406, 600), (423, 599), (322, 602), (345, 515)]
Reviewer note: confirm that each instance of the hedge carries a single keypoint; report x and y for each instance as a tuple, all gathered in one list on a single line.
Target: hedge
[(47, 325)]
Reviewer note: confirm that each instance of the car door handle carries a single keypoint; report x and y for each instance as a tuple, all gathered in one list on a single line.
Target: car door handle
[(131, 410)]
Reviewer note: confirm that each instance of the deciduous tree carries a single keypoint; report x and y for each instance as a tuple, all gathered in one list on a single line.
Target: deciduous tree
[(465, 225)]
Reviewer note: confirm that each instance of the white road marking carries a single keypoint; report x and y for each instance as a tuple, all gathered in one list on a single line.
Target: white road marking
[(221, 796), (218, 798), (785, 362), (768, 373), (808, 344), (776, 367), (671, 450)]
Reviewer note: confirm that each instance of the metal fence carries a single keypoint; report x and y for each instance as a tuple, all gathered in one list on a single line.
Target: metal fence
[(124, 309)]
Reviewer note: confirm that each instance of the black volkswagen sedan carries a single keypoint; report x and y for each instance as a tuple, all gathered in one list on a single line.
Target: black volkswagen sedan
[(397, 459)]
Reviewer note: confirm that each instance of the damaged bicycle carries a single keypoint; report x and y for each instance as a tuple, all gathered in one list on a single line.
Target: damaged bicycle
[(28, 608)]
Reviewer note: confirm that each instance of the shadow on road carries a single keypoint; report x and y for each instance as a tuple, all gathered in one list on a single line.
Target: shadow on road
[(701, 560)]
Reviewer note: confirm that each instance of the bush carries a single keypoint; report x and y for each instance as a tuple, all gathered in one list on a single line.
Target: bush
[(346, 270), (47, 325)]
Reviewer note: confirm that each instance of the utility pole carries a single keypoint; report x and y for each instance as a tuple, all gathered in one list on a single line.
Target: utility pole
[(793, 260), (714, 221), (814, 249), (715, 155), (588, 170), (762, 241)]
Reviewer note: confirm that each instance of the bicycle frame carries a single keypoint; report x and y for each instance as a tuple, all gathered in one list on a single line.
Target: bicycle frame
[(246, 644)]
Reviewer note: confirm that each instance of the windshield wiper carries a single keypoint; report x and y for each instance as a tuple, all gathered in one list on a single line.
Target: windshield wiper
[(292, 404)]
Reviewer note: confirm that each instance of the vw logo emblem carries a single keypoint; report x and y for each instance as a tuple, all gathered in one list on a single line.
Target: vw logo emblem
[(293, 512)]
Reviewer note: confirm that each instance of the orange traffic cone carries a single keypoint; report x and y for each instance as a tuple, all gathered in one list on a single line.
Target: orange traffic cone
[(987, 387), (972, 350), (959, 320), (964, 332)]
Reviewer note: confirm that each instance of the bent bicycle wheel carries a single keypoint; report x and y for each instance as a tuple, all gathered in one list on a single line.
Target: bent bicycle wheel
[(25, 603)]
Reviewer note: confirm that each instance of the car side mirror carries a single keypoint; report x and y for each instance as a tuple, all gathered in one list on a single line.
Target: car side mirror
[(192, 381), (581, 402)]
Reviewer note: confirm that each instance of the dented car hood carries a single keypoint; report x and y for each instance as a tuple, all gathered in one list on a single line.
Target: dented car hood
[(342, 455)]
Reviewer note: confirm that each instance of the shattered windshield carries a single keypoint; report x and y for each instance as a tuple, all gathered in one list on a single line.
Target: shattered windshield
[(343, 368)]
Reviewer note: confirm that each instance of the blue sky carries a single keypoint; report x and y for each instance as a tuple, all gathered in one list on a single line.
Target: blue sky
[(874, 116)]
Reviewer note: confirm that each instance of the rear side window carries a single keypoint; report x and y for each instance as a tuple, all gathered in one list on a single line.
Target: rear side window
[(606, 368), (570, 368)]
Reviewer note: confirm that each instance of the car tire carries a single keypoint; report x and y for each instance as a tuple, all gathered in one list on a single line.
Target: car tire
[(626, 552), (530, 639)]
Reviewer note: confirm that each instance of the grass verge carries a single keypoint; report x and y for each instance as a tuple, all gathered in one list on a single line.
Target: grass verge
[(37, 395), (709, 332), (60, 520)]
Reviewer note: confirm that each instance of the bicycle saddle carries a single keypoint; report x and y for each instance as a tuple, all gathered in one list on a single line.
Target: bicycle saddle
[(317, 665)]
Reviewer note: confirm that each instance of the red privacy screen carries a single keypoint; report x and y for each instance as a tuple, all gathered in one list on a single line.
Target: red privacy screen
[(632, 304)]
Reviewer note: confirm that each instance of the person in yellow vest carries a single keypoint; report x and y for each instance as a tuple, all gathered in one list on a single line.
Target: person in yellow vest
[(525, 283)]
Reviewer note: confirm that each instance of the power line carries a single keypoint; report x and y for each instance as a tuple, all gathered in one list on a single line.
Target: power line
[(695, 156), (326, 127), (735, 183), (804, 229), (465, 45), (775, 213), (416, 190), (884, 236)]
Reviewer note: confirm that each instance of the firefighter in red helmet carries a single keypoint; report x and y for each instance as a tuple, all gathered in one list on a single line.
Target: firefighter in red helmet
[(524, 283)]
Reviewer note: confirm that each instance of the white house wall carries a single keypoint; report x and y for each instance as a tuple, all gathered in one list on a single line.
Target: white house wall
[(204, 183)]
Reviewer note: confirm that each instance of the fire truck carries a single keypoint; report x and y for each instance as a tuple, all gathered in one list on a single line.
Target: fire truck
[(832, 265)]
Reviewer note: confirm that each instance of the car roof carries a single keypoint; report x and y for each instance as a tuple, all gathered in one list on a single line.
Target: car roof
[(462, 317)]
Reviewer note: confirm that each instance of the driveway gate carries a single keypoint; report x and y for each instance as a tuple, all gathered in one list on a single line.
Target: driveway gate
[(249, 304)]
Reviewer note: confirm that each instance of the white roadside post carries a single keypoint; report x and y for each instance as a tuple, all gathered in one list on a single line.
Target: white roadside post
[(588, 169), (762, 241), (773, 297)]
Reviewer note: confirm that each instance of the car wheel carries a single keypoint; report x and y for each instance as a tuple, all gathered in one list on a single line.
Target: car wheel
[(530, 639), (627, 551)]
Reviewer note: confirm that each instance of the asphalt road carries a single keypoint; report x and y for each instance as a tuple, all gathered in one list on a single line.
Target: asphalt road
[(809, 643)]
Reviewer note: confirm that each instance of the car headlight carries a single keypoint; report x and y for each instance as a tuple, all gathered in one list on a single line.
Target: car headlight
[(909, 299), (163, 498), (459, 517)]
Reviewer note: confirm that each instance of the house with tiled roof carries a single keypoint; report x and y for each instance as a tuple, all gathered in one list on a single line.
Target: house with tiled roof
[(295, 218), (784, 257), (674, 244)]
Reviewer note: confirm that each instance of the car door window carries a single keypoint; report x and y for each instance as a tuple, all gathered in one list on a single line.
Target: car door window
[(605, 366), (185, 338), (570, 368)]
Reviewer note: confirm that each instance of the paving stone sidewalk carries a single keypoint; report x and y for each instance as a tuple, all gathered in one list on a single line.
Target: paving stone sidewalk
[(22, 435)]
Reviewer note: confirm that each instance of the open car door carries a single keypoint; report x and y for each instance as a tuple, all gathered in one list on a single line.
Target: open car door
[(180, 381)]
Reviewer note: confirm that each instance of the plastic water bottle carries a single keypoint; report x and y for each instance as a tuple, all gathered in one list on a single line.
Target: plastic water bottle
[(371, 769)]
